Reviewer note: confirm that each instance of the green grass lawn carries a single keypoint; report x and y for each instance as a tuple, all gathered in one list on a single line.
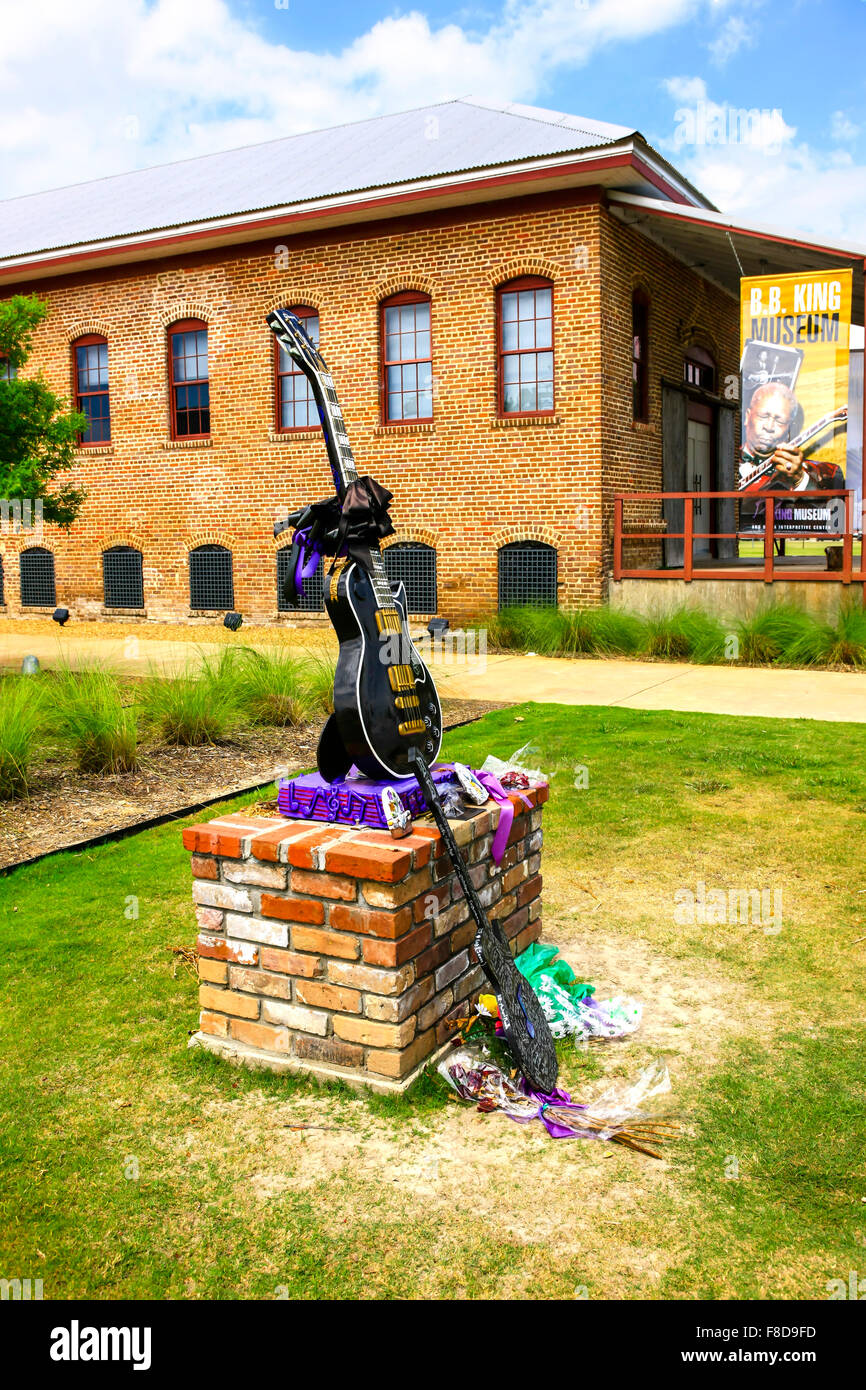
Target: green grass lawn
[(132, 1167)]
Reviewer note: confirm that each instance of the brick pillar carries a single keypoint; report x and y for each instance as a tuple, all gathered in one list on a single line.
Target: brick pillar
[(341, 951)]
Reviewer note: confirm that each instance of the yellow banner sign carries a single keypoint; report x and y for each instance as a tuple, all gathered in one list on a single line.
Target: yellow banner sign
[(794, 332)]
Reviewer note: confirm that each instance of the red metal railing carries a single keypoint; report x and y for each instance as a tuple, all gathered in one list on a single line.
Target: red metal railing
[(770, 569)]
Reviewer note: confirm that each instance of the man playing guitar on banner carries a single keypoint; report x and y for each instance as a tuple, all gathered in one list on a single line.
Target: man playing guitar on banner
[(766, 429)]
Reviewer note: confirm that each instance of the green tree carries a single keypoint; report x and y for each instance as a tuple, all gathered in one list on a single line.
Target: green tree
[(38, 432)]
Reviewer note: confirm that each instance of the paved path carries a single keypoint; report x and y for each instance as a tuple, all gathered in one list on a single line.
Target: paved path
[(661, 685), (833, 695)]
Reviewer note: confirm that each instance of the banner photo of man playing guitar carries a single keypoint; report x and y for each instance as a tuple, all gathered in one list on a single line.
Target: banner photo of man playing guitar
[(805, 320)]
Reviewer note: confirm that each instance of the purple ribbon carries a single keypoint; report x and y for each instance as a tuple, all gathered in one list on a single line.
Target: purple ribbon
[(308, 559), (544, 1099), (493, 785)]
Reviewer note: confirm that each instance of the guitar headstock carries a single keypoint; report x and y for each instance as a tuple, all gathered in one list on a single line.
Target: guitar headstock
[(293, 337)]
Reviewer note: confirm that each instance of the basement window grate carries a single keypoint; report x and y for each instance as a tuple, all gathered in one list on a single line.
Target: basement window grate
[(122, 577), (527, 575), (38, 588), (211, 583)]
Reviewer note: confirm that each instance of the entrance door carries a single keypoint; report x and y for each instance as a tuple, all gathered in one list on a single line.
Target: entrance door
[(699, 479)]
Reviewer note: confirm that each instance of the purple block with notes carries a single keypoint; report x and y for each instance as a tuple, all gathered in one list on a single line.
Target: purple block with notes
[(351, 800)]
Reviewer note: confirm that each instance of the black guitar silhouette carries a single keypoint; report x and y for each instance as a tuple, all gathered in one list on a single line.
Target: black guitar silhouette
[(387, 718)]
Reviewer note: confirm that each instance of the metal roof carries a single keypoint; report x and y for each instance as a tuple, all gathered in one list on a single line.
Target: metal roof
[(721, 248), (431, 141)]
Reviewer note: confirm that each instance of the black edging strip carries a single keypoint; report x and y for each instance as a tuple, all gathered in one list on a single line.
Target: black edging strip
[(124, 831)]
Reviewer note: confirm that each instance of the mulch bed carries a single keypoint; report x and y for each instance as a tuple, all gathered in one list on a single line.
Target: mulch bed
[(66, 806)]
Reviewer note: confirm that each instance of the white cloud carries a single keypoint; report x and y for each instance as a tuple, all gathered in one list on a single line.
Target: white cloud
[(736, 33), (686, 89), (98, 87), (842, 127), (751, 164)]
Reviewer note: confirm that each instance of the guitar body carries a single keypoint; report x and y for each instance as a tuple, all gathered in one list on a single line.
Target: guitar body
[(366, 713)]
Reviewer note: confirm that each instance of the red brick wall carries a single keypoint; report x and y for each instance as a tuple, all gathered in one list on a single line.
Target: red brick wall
[(466, 484)]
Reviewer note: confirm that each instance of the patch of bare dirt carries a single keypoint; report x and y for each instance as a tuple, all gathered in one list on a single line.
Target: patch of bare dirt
[(67, 806), (585, 1200)]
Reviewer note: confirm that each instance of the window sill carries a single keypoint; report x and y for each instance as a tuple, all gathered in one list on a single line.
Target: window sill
[(187, 443), (289, 436), (644, 426), (38, 609), (504, 422), (123, 612), (423, 427), (209, 615), (84, 449)]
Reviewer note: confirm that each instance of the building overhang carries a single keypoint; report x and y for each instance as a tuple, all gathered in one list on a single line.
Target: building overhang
[(627, 165), (722, 248)]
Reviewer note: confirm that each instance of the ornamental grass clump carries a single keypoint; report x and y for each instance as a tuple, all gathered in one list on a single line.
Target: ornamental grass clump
[(22, 712), (776, 635), (91, 719), (684, 634), (196, 706), (272, 687), (604, 631), (319, 683), (515, 628), (840, 643)]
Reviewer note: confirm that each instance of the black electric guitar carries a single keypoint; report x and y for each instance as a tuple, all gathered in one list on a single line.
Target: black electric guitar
[(387, 717)]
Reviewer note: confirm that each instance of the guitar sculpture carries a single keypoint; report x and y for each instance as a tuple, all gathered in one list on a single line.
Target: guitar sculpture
[(387, 718)]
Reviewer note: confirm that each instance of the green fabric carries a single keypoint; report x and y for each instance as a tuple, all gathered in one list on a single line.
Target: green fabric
[(539, 964)]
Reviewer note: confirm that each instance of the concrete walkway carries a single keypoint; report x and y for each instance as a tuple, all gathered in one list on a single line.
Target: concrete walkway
[(661, 685), (831, 695)]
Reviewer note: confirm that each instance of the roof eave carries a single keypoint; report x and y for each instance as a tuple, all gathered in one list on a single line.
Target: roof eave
[(482, 184)]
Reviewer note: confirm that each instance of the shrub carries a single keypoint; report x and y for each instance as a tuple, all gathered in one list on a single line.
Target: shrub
[(684, 633), (21, 715), (775, 634), (90, 718)]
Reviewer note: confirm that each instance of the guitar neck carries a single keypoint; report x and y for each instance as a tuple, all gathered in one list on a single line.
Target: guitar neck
[(296, 342)]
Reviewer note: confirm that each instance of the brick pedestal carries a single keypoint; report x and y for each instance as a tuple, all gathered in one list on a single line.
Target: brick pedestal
[(342, 951)]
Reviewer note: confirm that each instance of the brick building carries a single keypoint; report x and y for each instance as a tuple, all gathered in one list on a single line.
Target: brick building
[(510, 336)]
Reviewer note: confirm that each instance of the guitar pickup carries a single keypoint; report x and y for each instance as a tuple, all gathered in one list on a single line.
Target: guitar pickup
[(388, 620), (401, 678), (407, 702), (412, 726)]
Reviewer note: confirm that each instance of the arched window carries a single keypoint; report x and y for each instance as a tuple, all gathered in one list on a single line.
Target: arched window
[(211, 582), (699, 368), (296, 408), (37, 578), (407, 358), (188, 379), (313, 600), (90, 367), (415, 564), (527, 575), (640, 355), (122, 577), (525, 346)]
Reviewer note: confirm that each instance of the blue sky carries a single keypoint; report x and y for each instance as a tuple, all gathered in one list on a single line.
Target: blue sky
[(102, 86)]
